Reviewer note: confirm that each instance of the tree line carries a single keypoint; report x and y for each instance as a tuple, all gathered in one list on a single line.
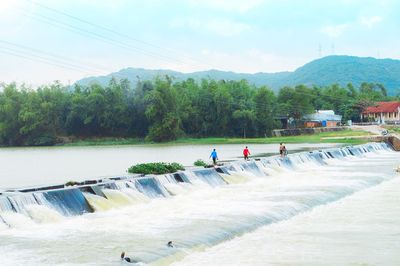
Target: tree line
[(163, 110)]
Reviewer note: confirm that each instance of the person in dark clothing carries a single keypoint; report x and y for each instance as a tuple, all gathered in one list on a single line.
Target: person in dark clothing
[(214, 156), (282, 150), (170, 244), (127, 259)]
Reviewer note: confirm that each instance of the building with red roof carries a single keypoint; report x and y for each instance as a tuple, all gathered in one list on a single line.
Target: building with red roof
[(382, 111)]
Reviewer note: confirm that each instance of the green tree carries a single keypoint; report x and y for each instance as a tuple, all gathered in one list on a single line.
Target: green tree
[(265, 111), (161, 111), (10, 106), (245, 119), (296, 102)]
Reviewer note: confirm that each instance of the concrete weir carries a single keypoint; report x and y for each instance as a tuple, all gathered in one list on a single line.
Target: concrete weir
[(394, 141), (73, 199)]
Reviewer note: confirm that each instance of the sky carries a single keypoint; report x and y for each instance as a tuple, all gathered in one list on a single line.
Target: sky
[(66, 40)]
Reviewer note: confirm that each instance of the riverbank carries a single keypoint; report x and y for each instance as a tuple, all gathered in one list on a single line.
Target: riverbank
[(346, 136)]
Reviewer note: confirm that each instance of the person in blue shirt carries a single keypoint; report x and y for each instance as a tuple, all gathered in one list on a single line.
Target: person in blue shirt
[(214, 156)]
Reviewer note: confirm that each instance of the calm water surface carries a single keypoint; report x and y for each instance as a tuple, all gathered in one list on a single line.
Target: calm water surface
[(20, 167)]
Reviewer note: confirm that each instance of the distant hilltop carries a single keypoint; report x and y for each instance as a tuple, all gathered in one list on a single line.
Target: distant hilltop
[(324, 71)]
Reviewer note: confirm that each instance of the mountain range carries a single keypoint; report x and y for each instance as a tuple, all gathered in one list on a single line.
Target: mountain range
[(328, 70)]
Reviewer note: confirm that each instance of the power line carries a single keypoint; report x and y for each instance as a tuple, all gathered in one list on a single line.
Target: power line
[(109, 29), (34, 58), (91, 34), (47, 56), (33, 54)]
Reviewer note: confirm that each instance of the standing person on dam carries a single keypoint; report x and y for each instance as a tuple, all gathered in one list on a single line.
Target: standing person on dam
[(246, 153), (214, 156), (282, 150)]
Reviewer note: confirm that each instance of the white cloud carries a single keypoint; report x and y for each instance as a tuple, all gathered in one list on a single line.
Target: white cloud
[(205, 52), (228, 5), (225, 27), (335, 31), (222, 27), (370, 21)]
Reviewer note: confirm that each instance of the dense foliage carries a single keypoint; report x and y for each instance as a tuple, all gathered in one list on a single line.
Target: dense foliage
[(200, 162), (155, 168), (163, 110)]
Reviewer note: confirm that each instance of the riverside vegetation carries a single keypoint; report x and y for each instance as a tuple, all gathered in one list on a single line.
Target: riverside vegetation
[(162, 110), (200, 162), (155, 168), (344, 136)]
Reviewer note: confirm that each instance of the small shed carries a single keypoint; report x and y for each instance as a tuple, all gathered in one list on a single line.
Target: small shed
[(322, 118)]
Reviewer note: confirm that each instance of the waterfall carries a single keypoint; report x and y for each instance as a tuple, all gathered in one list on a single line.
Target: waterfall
[(209, 176), (174, 187), (69, 201), (16, 220), (135, 195), (250, 167), (235, 177), (43, 214), (20, 200), (117, 197), (5, 204), (28, 206), (99, 203), (151, 187)]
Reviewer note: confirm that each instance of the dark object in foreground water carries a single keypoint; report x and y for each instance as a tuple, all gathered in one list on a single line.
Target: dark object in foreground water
[(127, 259), (170, 245)]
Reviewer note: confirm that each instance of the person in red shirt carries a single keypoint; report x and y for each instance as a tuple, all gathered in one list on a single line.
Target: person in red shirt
[(246, 153)]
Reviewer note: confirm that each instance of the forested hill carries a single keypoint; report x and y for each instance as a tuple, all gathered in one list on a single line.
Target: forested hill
[(322, 72)]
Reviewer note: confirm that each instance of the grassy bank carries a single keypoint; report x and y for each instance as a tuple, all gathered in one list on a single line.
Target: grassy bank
[(345, 136), (393, 128), (104, 142)]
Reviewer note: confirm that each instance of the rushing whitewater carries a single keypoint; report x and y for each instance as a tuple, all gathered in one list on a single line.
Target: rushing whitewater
[(200, 210)]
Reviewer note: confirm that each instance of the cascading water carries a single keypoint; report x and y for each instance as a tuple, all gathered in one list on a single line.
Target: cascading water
[(5, 204), (67, 201), (208, 176), (99, 203), (118, 198), (19, 201), (151, 187), (22, 206)]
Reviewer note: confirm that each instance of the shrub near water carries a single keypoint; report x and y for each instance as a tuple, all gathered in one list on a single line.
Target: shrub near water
[(155, 168), (200, 162)]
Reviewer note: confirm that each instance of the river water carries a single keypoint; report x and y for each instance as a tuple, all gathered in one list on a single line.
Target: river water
[(21, 167), (337, 207)]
